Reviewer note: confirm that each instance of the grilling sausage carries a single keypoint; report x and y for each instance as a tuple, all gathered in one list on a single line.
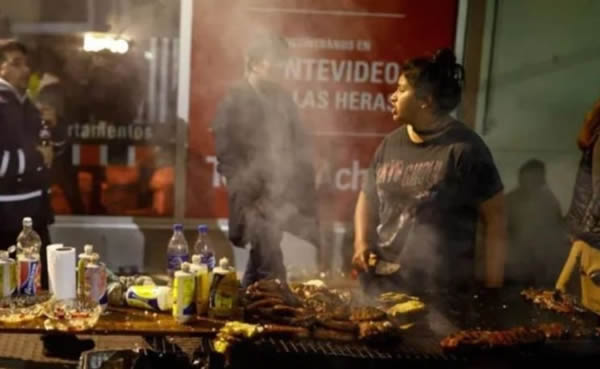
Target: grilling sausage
[(339, 325), (332, 335), (296, 332)]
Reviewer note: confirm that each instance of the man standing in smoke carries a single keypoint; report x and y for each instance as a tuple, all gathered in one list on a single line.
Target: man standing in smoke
[(265, 156)]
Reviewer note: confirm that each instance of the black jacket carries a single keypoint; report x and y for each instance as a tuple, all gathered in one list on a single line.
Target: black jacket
[(583, 218), (24, 179), (264, 154)]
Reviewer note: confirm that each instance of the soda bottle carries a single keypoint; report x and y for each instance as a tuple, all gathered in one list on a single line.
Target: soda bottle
[(203, 248), (177, 250), (29, 267), (28, 241)]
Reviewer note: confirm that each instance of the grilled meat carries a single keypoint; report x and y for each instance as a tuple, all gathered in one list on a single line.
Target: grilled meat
[(340, 325), (553, 330), (259, 295), (271, 288), (266, 285), (323, 312), (480, 339), (551, 300), (341, 312), (286, 330), (288, 310), (333, 335), (321, 299), (370, 330), (305, 321), (269, 302), (366, 313)]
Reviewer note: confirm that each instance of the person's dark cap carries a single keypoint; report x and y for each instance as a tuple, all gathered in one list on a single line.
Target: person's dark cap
[(533, 165), (10, 44)]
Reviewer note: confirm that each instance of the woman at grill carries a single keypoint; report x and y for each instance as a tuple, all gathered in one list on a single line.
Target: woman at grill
[(583, 218), (429, 183)]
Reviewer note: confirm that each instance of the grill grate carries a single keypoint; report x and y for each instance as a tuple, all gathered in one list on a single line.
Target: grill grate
[(421, 351)]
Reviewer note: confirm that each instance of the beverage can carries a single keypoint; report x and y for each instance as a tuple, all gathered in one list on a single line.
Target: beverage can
[(183, 294), (29, 275), (8, 275)]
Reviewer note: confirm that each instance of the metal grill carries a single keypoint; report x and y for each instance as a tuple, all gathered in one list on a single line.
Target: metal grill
[(418, 351)]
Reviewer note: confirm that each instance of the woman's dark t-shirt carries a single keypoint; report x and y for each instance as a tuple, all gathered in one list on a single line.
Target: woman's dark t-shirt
[(427, 197)]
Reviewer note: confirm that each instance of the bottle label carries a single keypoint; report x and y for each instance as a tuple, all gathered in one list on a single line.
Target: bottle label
[(223, 297), (143, 297), (183, 297), (209, 260), (174, 261)]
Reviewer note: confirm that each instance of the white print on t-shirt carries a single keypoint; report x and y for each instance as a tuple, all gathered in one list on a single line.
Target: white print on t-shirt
[(421, 174)]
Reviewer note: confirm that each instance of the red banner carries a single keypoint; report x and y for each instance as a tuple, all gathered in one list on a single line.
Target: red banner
[(346, 57)]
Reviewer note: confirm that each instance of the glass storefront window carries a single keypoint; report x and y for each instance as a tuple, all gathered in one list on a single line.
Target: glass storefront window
[(110, 70)]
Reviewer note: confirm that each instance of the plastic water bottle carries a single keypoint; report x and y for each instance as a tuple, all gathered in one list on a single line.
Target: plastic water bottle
[(28, 241), (203, 248), (177, 251)]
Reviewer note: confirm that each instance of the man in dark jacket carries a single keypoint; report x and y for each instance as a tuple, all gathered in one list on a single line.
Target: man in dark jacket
[(265, 156), (24, 174), (536, 230)]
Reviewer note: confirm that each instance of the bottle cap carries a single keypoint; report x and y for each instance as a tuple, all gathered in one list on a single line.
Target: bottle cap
[(88, 249), (94, 257), (27, 222), (178, 227), (224, 263), (203, 228), (185, 266), (196, 259)]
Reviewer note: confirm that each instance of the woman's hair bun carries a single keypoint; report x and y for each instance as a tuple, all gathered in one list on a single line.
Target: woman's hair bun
[(446, 68), (445, 58)]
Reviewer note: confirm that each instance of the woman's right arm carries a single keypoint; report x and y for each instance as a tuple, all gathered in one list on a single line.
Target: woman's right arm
[(361, 232)]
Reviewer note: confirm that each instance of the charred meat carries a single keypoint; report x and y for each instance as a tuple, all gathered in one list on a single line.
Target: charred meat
[(371, 330), (551, 300), (484, 339), (553, 330), (340, 325), (333, 335)]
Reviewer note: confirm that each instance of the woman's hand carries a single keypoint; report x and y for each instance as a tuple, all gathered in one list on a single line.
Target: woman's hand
[(359, 259)]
